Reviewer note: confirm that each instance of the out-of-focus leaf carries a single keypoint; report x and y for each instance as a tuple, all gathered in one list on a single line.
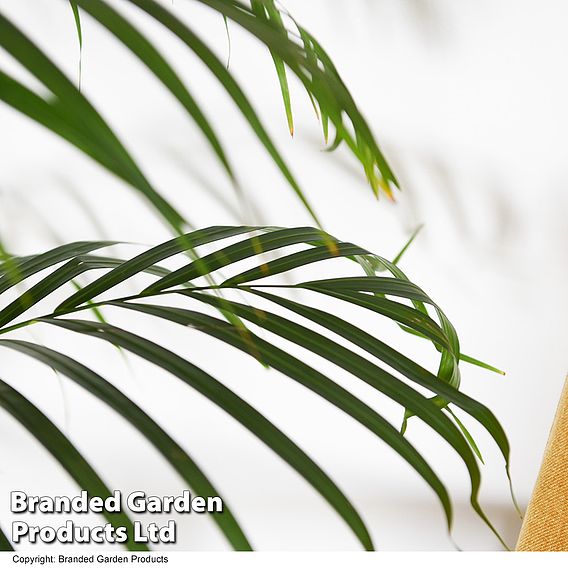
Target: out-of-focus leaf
[(150, 56), (70, 115), (466, 434), (229, 83), (77, 18), (267, 11)]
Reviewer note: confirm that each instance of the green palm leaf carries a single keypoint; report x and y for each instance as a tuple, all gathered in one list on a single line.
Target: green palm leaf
[(295, 53), (320, 77), (296, 260), (53, 440), (171, 450), (383, 295), (233, 405), (149, 55), (267, 11), (70, 115), (351, 362), (228, 82), (250, 247), (397, 361), (147, 259), (305, 375), (18, 269)]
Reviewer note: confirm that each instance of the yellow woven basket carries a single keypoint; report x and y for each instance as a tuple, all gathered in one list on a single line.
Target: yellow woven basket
[(545, 527)]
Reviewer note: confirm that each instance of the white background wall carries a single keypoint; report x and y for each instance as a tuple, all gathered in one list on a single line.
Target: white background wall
[(468, 101)]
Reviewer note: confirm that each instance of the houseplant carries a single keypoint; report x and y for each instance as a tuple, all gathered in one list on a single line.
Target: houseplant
[(68, 113)]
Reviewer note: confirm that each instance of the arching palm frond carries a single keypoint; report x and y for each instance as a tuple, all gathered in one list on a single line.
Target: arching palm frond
[(387, 370)]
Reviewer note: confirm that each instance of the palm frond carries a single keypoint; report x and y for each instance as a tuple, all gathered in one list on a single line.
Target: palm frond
[(171, 450), (386, 296), (69, 114), (140, 46), (63, 450)]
